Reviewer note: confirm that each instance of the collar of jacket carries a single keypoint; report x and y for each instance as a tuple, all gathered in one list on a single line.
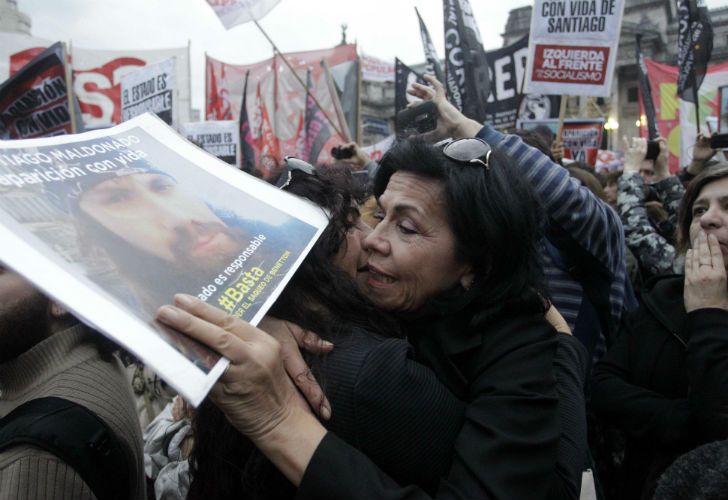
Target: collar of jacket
[(664, 298)]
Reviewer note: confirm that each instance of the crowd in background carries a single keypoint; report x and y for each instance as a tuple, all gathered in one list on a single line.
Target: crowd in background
[(634, 261)]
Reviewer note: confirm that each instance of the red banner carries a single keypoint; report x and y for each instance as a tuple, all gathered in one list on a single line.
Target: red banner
[(675, 118), (34, 102), (284, 97), (570, 64)]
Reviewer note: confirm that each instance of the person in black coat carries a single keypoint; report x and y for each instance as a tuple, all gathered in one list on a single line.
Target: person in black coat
[(665, 380), (470, 289)]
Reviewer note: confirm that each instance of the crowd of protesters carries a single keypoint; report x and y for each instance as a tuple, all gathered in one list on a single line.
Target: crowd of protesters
[(482, 319)]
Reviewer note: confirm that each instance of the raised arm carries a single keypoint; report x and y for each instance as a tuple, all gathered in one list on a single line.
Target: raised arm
[(655, 254), (585, 218)]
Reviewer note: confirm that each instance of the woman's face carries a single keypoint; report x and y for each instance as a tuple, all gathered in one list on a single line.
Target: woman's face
[(412, 249), (351, 257), (710, 213)]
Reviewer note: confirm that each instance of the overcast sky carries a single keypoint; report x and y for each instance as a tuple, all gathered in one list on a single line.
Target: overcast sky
[(382, 28)]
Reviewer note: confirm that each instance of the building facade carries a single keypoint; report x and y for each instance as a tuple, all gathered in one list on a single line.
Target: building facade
[(11, 19)]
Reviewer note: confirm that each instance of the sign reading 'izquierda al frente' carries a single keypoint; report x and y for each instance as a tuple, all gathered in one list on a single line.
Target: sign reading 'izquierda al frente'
[(573, 47)]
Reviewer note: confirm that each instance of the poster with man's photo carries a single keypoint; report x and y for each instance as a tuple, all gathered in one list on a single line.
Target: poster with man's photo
[(113, 223)]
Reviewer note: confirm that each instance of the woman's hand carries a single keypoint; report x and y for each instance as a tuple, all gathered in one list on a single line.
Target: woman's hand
[(450, 122), (255, 392), (705, 275), (293, 338)]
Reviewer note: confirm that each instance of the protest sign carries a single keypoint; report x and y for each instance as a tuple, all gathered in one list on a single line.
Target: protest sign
[(112, 223), (374, 69), (35, 101), (220, 139), (466, 68), (582, 138), (153, 89), (573, 47), (234, 12), (507, 69), (97, 80)]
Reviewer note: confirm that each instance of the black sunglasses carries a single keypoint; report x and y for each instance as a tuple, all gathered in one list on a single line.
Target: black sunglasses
[(469, 151), (291, 164)]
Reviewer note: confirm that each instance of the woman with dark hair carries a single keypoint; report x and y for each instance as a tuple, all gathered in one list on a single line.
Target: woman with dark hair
[(455, 255), (665, 380)]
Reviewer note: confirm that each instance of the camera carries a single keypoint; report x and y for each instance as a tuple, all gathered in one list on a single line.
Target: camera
[(653, 150), (417, 120), (342, 153), (719, 141)]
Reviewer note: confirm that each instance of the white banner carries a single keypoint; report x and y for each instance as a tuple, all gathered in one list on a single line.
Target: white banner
[(151, 89), (234, 12), (573, 47), (219, 138), (374, 69), (97, 80)]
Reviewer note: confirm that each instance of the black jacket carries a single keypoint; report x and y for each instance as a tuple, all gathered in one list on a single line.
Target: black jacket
[(508, 442), (664, 383)]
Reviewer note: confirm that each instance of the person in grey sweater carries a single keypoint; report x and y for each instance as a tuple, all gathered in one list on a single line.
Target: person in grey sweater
[(45, 352)]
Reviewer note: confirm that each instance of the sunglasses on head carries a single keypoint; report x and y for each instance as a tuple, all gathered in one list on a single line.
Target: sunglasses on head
[(468, 151), (291, 164)]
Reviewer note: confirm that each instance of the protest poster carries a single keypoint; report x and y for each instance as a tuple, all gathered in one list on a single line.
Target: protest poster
[(97, 80), (506, 103), (581, 137), (112, 223), (676, 118), (35, 101), (234, 12), (153, 89), (374, 69), (220, 139), (573, 47), (466, 68)]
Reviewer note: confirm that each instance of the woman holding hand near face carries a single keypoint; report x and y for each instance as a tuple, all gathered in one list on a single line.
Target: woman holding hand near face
[(665, 380)]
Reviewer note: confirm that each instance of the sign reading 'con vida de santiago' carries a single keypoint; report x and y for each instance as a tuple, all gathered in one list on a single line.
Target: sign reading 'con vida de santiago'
[(573, 48)]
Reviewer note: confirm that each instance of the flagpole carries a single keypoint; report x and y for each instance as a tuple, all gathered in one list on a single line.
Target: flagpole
[(697, 102), (520, 98), (562, 117), (336, 101), (285, 60), (69, 86)]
